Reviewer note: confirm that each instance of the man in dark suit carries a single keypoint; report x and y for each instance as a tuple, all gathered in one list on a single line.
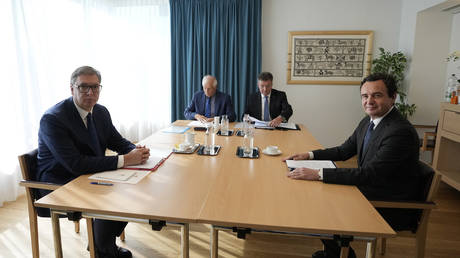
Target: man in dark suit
[(72, 140), (209, 102), (268, 104), (387, 148)]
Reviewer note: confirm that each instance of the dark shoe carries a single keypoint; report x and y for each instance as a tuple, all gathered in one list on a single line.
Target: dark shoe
[(319, 254), (124, 253)]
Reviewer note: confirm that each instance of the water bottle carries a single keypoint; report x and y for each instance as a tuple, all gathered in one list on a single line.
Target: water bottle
[(248, 142), (245, 123), (206, 139), (224, 125), (213, 131)]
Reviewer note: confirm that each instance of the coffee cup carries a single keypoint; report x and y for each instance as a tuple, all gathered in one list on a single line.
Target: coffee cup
[(189, 138), (272, 149)]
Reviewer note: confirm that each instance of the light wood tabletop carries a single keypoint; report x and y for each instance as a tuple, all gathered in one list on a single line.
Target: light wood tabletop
[(226, 190)]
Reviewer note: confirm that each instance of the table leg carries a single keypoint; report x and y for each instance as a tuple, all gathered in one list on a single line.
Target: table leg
[(344, 251), (56, 234), (185, 240), (92, 246), (371, 248), (214, 242)]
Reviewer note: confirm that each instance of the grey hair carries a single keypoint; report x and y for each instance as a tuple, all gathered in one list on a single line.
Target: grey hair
[(206, 78), (84, 70)]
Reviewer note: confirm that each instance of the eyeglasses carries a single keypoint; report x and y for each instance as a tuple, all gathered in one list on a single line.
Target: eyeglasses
[(84, 88)]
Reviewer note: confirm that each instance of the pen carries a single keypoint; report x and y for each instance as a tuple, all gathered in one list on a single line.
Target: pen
[(101, 183)]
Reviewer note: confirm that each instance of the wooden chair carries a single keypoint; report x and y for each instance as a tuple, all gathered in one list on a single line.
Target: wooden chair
[(428, 141), (429, 187), (28, 164)]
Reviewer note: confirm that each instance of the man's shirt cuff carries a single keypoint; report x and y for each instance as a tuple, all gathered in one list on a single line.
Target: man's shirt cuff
[(121, 161)]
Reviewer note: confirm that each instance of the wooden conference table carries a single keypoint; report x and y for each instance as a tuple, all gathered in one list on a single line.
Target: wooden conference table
[(225, 191)]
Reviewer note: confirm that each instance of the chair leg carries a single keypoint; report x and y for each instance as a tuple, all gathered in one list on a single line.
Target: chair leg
[(420, 241), (33, 224), (383, 245), (122, 236), (77, 226), (34, 235)]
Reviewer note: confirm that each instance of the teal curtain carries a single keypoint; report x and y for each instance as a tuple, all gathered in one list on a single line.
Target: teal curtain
[(218, 37)]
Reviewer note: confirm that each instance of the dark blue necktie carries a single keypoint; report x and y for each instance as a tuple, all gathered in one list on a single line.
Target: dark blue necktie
[(93, 134), (207, 108), (368, 135), (266, 109)]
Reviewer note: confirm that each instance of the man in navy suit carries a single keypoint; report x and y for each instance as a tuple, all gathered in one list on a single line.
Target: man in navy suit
[(387, 147), (72, 140), (268, 104), (209, 102)]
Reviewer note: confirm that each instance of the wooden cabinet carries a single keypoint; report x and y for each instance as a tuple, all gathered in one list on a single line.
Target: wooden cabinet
[(447, 149)]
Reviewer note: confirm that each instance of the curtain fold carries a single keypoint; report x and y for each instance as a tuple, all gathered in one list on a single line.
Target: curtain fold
[(43, 42), (218, 37)]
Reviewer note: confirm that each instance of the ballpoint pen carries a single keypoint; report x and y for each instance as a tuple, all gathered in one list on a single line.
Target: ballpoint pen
[(101, 183)]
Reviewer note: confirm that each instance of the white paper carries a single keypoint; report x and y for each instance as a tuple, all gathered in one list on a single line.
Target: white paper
[(119, 175), (264, 124), (136, 176), (288, 126), (175, 129), (156, 155), (313, 164), (196, 123)]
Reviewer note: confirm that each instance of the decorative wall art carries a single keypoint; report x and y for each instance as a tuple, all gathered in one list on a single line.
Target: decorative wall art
[(329, 57)]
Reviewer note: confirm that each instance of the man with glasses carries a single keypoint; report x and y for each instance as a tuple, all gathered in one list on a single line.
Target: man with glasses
[(72, 140)]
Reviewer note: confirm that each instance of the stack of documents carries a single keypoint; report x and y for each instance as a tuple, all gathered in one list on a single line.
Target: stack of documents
[(134, 174), (264, 124)]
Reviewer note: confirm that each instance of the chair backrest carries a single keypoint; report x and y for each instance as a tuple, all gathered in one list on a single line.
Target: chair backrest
[(28, 163), (426, 179)]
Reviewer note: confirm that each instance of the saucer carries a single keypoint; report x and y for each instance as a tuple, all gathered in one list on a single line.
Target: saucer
[(271, 154)]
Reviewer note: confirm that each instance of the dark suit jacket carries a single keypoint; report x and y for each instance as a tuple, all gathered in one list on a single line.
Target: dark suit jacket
[(388, 170), (64, 148), (278, 105), (223, 106)]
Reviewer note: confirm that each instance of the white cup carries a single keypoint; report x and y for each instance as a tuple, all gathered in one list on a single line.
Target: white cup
[(189, 138), (272, 149)]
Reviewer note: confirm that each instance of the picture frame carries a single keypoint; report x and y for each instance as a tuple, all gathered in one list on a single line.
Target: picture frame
[(329, 57)]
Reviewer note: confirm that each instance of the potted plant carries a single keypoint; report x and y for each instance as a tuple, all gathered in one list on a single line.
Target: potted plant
[(395, 64)]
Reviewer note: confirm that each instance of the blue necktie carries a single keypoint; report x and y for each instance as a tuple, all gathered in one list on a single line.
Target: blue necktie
[(368, 135), (93, 134), (266, 109), (207, 108)]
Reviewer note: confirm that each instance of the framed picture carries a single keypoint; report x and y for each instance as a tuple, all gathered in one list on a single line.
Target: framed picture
[(329, 57)]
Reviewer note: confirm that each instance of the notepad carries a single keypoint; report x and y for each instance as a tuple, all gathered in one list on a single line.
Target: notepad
[(118, 175), (313, 164)]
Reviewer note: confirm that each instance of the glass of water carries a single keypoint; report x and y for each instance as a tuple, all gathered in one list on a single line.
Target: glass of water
[(248, 142), (224, 125)]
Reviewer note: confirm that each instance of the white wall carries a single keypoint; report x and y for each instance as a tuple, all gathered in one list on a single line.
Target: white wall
[(454, 67), (429, 69), (331, 112), (410, 9)]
